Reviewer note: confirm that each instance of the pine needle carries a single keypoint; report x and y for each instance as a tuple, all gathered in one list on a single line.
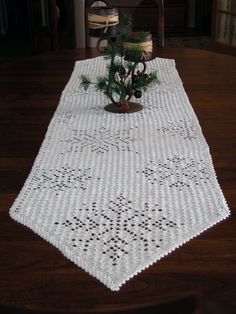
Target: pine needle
[(101, 84), (153, 77), (85, 82)]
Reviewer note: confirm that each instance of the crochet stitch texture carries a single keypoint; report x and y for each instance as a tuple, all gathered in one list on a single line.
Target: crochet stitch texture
[(117, 192)]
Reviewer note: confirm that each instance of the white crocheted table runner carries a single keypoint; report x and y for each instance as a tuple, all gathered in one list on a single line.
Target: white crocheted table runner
[(117, 192)]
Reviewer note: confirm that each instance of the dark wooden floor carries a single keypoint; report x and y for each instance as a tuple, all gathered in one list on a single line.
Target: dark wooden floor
[(34, 275)]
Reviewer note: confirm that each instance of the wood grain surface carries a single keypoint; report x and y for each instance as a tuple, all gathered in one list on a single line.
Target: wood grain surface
[(36, 276)]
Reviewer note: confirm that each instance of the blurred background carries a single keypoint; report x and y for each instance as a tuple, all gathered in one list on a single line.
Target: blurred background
[(30, 27)]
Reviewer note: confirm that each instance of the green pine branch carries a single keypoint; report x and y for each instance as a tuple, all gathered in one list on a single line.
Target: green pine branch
[(141, 36), (85, 82), (133, 54), (122, 81), (128, 20), (101, 84), (154, 78)]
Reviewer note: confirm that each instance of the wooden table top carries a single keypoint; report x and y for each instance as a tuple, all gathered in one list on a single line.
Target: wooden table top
[(33, 273)]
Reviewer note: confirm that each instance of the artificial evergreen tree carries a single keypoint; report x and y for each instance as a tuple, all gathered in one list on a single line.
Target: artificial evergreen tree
[(124, 77)]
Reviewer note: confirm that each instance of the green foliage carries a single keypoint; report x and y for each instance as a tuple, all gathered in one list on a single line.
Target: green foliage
[(154, 78), (111, 52), (141, 36), (85, 82), (123, 79), (128, 20), (123, 31), (141, 83), (101, 83), (133, 54), (114, 66), (130, 65), (124, 37)]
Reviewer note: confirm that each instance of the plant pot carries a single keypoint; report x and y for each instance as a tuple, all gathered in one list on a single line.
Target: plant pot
[(102, 21), (145, 45), (118, 108)]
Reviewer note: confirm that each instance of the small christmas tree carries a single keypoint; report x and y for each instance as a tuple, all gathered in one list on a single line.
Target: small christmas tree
[(124, 77)]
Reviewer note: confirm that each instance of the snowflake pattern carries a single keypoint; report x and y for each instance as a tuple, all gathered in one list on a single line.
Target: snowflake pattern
[(66, 117), (100, 140), (117, 222), (182, 128), (117, 227), (177, 172), (63, 178)]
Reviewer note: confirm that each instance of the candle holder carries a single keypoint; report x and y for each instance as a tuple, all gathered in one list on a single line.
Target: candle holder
[(102, 24)]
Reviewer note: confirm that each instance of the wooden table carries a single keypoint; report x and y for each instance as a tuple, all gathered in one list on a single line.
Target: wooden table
[(34, 274)]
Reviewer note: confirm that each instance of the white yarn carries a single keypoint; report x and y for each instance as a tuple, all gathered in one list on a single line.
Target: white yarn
[(115, 193)]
